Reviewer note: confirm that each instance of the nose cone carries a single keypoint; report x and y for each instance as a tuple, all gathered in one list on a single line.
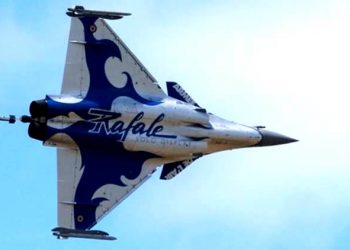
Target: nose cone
[(270, 138)]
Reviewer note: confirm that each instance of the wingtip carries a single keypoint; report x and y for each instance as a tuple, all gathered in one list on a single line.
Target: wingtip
[(65, 233)]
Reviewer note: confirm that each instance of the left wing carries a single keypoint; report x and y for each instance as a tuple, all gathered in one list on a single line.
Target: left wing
[(92, 182)]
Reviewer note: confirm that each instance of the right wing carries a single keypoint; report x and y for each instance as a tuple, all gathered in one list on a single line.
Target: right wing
[(77, 78)]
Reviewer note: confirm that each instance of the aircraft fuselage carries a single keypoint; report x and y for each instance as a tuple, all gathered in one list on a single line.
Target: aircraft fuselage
[(170, 128)]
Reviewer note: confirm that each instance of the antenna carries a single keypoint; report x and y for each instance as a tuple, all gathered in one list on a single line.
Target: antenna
[(12, 119)]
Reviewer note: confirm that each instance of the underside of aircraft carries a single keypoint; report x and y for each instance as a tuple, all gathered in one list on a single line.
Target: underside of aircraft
[(113, 126)]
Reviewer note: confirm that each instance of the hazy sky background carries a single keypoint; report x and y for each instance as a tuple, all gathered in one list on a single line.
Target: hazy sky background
[(283, 64)]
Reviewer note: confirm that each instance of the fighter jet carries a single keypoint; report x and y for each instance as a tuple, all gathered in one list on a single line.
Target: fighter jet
[(113, 126)]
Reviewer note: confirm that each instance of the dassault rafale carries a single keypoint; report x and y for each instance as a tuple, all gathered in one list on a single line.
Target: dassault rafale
[(113, 126)]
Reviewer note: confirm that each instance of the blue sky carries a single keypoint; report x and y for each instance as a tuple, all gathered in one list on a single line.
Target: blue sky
[(283, 64)]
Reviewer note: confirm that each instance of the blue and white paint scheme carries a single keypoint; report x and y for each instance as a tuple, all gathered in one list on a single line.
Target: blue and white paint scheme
[(113, 126)]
